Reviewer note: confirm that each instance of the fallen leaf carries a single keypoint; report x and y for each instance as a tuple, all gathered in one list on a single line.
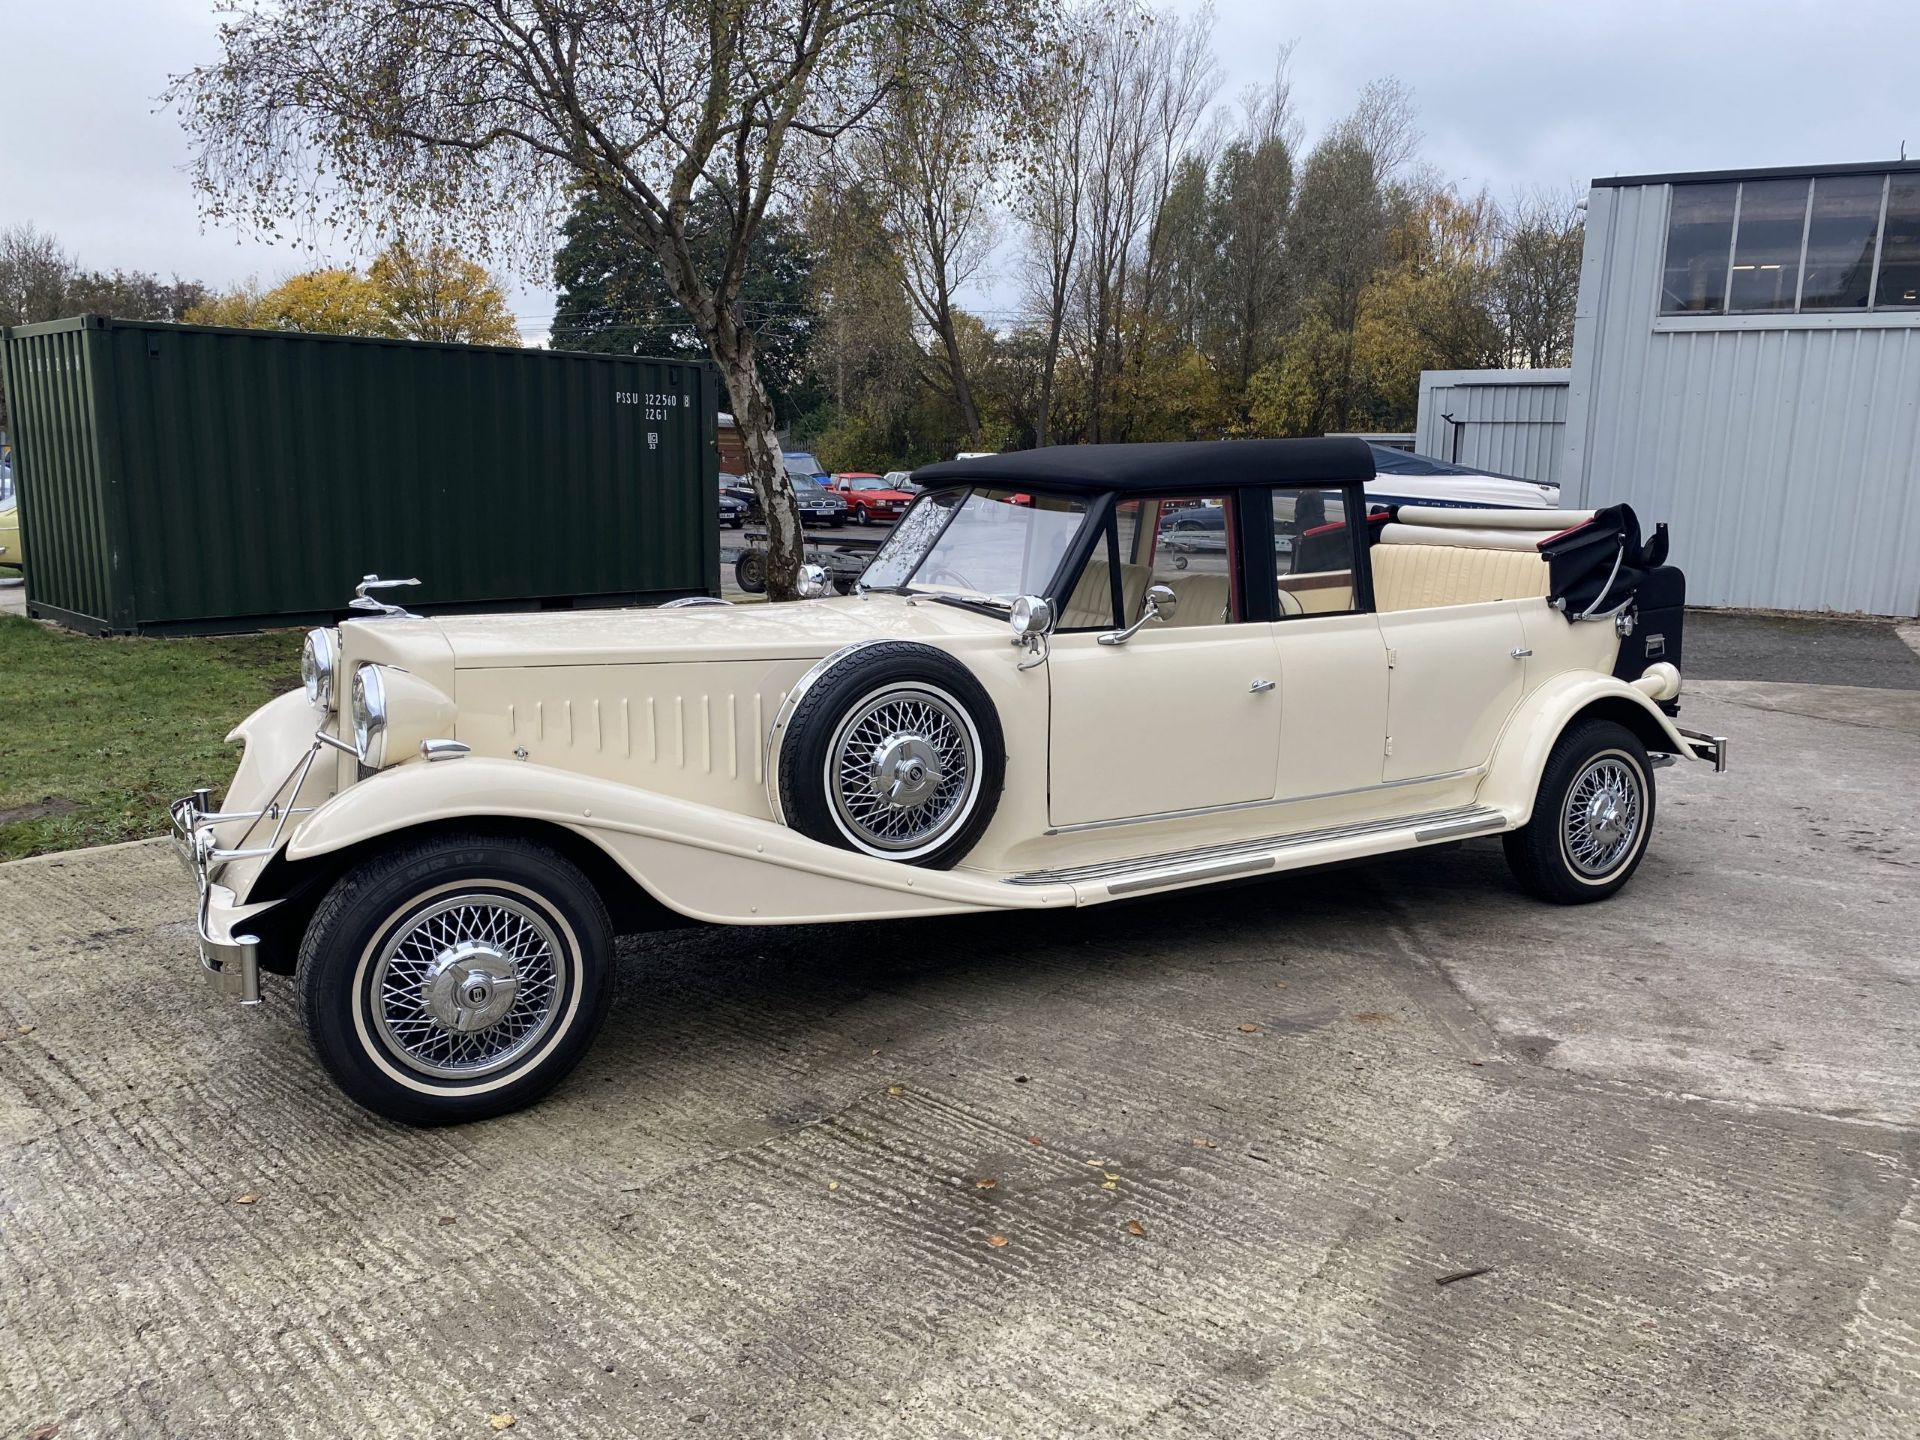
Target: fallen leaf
[(26, 1029), (1109, 1174), (1097, 1164), (1033, 1139), (1476, 1062), (1134, 1227), (247, 1199), (1375, 1017), (985, 1182), (1249, 1029), (1204, 1143), (896, 1089), (502, 1421), (1110, 1185), (833, 1184), (996, 1241), (446, 1220), (44, 1432)]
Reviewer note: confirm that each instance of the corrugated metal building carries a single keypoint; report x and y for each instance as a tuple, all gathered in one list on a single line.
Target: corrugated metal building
[(1747, 366), (1509, 422)]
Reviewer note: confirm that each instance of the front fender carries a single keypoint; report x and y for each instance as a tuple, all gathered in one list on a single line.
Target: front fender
[(1513, 777), (705, 863)]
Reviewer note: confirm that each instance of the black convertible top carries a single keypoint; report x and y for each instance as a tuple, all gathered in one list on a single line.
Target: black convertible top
[(1192, 465)]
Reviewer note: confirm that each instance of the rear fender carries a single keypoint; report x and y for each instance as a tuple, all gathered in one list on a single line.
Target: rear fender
[(704, 863), (1513, 778)]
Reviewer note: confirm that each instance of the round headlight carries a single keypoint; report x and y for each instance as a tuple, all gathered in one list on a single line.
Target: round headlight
[(813, 582), (316, 670), (1030, 615), (369, 715)]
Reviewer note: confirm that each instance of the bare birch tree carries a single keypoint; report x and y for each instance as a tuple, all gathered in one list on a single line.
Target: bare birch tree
[(934, 155), (477, 119)]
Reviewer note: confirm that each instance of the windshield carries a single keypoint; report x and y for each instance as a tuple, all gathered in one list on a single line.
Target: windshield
[(988, 544)]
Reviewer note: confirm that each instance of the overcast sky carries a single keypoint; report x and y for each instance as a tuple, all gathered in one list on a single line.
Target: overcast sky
[(1512, 93)]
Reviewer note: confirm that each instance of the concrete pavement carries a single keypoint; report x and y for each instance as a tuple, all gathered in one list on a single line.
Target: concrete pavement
[(1678, 1130)]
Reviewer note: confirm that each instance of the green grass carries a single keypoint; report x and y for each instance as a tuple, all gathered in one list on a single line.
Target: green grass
[(96, 736)]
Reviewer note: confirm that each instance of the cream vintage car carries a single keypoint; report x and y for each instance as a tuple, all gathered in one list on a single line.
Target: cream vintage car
[(442, 835)]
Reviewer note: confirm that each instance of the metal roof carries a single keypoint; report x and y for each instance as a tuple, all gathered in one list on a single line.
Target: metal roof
[(1174, 466), (1772, 172)]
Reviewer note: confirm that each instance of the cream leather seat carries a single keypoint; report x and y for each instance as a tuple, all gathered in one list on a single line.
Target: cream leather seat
[(1090, 606), (1420, 577), (1203, 599)]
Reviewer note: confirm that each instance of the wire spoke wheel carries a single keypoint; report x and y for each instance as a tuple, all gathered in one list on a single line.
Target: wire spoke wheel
[(466, 985), (903, 768), (1600, 820)]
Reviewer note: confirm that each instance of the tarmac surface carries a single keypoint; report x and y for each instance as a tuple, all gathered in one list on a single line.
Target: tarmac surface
[(1238, 1143)]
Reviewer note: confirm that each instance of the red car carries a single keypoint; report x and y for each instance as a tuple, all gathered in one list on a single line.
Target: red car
[(870, 499)]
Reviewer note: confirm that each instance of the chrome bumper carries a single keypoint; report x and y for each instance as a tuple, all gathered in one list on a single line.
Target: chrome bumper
[(1707, 747), (232, 960)]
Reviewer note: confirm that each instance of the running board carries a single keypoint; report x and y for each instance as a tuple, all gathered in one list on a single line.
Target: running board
[(1251, 857)]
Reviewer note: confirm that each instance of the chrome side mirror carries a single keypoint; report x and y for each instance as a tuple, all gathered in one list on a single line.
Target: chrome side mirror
[(1161, 604), (813, 582)]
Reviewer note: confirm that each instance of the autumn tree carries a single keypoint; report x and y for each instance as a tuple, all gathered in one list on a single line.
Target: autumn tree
[(1537, 280), (473, 118), (931, 154), (433, 292)]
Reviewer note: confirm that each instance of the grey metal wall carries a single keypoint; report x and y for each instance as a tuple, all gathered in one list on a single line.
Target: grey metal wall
[(1511, 422), (1784, 450)]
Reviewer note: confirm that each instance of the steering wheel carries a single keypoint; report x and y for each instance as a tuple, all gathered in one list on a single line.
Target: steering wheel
[(944, 575)]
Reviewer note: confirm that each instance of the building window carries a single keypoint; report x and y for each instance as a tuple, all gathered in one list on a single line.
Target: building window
[(1772, 247), (1699, 239), (1899, 283), (1842, 239), (1768, 232)]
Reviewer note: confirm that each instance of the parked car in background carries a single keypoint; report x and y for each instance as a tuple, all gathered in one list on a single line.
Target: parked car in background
[(871, 499), (818, 505), (733, 511), (901, 480), (442, 833), (10, 552), (1401, 478)]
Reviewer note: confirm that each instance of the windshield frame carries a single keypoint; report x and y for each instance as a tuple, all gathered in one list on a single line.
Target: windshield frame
[(1092, 517)]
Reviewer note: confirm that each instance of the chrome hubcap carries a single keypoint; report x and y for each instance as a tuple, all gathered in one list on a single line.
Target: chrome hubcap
[(906, 770), (902, 770), (467, 985), (1601, 819)]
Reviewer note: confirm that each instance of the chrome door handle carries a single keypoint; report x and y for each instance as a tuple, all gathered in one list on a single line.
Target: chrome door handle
[(1519, 654), (1260, 687)]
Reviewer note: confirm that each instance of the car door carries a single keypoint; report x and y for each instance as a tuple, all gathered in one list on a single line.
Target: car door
[(1184, 715), (1456, 672), (1333, 662)]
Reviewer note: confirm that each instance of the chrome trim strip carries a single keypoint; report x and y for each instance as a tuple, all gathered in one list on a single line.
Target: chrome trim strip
[(1078, 826), (1459, 829), (1204, 872), (787, 706), (1268, 846)]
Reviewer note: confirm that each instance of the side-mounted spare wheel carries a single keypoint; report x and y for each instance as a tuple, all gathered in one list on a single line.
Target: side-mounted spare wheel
[(455, 977), (892, 749), (1591, 817)]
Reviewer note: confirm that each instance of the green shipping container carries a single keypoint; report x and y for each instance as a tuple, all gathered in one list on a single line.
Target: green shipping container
[(188, 478)]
